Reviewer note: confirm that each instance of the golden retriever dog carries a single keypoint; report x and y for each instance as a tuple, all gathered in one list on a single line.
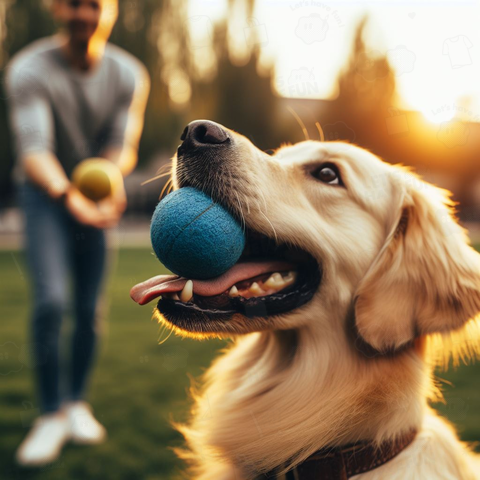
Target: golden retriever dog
[(356, 280)]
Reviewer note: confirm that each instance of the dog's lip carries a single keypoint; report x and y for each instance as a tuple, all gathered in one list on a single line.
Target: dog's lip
[(145, 292)]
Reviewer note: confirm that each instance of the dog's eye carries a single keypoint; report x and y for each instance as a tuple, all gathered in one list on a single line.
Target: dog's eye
[(327, 174)]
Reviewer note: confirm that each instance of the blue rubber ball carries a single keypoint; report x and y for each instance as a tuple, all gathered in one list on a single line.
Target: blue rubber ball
[(195, 237)]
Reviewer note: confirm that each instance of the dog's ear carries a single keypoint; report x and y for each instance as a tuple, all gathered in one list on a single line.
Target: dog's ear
[(425, 280)]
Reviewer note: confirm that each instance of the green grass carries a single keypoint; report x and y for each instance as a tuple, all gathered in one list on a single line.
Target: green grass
[(138, 384)]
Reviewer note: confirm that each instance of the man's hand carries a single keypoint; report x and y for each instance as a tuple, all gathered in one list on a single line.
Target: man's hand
[(116, 203), (88, 212)]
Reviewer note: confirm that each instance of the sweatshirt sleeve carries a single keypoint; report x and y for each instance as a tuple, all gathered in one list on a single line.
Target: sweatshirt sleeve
[(128, 117), (30, 115)]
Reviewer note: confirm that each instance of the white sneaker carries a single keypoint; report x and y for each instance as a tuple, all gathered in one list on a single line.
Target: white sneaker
[(84, 428), (44, 442)]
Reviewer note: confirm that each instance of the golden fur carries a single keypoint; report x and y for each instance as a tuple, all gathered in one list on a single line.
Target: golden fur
[(396, 265)]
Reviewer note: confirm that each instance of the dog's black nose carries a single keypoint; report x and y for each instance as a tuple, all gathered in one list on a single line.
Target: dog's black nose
[(203, 133)]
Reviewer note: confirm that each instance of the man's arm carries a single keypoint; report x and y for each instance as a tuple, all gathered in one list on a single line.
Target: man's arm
[(32, 128), (44, 169), (127, 126)]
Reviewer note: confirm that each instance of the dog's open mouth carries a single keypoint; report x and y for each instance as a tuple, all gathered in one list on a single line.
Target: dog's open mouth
[(270, 278)]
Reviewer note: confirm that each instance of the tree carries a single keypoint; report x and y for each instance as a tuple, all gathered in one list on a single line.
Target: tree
[(367, 85)]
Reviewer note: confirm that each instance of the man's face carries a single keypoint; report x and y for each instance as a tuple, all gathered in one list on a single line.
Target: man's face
[(84, 18)]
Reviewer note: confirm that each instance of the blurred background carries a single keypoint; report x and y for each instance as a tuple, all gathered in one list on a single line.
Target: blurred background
[(399, 78)]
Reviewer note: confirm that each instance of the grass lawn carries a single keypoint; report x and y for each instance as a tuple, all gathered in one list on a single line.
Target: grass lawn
[(138, 384)]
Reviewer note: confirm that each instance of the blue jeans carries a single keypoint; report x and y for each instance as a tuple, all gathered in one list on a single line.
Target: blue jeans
[(58, 249)]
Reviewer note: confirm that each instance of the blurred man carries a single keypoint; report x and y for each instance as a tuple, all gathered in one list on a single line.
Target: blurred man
[(72, 96)]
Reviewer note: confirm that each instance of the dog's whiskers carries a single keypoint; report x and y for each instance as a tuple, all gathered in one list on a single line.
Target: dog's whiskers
[(299, 121), (156, 177), (264, 214), (242, 216), (164, 327), (166, 165), (273, 228), (320, 131), (264, 199), (169, 182)]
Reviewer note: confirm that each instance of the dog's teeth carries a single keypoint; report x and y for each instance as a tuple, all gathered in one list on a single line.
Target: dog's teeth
[(290, 277), (255, 289), (175, 296), (277, 278), (277, 281), (187, 292), (274, 280), (233, 292), (270, 282)]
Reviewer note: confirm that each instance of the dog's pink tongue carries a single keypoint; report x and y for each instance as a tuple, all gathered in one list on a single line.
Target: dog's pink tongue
[(146, 291)]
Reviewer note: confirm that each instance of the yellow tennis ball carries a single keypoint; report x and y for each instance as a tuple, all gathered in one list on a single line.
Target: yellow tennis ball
[(96, 178)]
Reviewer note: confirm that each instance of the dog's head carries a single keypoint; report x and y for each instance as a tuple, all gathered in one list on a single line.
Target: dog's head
[(331, 230)]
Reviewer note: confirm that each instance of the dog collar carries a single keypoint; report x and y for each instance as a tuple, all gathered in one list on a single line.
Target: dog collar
[(341, 463)]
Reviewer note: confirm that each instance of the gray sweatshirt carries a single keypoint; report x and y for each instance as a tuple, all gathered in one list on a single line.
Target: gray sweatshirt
[(73, 114)]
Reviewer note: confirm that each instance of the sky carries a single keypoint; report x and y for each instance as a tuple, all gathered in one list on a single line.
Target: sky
[(434, 47)]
